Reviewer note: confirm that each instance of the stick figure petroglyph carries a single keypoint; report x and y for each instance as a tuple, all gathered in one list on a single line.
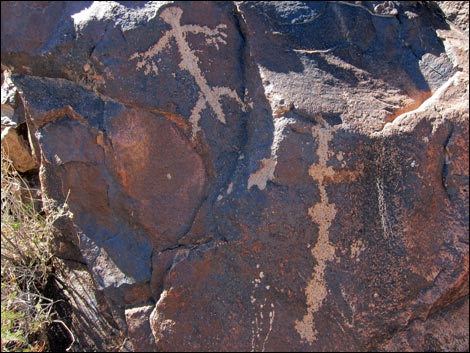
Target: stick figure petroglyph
[(208, 96)]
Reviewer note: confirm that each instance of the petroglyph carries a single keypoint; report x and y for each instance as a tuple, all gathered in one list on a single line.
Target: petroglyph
[(384, 216), (382, 200), (357, 247), (263, 174), (208, 96), (262, 324), (322, 213), (268, 165)]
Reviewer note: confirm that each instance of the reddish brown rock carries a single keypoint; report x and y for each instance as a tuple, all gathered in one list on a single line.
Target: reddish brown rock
[(17, 150), (14, 146), (275, 176), (157, 166), (446, 331)]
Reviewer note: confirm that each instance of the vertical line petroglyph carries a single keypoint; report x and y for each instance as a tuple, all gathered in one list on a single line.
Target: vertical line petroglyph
[(262, 324), (381, 200), (387, 229), (322, 214)]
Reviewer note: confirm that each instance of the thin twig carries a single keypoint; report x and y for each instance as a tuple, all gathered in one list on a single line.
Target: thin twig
[(68, 330)]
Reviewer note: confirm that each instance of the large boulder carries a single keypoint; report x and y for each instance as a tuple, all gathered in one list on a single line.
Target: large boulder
[(280, 176)]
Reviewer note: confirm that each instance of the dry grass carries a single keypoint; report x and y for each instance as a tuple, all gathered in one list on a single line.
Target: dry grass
[(26, 264)]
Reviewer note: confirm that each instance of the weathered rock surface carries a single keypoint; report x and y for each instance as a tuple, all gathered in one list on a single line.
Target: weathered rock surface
[(14, 145), (279, 176), (457, 12)]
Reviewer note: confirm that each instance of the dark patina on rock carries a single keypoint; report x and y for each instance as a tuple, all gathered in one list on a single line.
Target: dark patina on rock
[(263, 176)]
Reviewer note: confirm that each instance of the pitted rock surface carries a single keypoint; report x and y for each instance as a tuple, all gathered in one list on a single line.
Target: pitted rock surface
[(253, 176)]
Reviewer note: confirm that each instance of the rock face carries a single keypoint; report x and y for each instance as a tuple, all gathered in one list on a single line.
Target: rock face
[(456, 12), (279, 176), (14, 145)]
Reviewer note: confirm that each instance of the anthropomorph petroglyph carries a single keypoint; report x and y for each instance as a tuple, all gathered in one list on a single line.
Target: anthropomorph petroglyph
[(322, 213), (208, 96)]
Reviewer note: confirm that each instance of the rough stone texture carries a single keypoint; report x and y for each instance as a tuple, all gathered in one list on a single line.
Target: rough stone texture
[(17, 150), (456, 11), (139, 329), (14, 146), (445, 331), (279, 176)]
